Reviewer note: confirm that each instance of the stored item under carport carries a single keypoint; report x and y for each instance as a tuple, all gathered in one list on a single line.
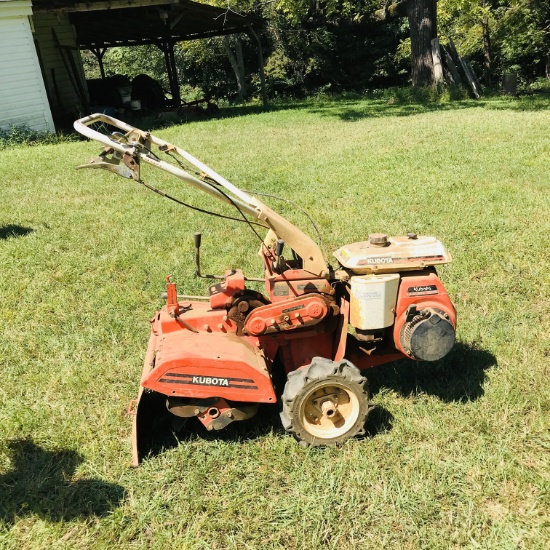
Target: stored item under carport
[(216, 358)]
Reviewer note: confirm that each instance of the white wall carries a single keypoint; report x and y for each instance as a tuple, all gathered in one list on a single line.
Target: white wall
[(23, 99)]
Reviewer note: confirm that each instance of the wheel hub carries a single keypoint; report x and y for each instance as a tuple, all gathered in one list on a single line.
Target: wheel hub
[(329, 411), (329, 408)]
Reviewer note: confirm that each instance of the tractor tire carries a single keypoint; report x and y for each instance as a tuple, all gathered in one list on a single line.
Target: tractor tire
[(325, 403)]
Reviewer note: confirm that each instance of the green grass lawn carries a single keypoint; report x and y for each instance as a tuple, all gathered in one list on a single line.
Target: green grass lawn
[(457, 453)]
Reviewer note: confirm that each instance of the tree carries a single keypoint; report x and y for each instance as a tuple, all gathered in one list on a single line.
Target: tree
[(315, 46), (422, 17), (501, 35), (523, 36), (333, 45), (237, 64), (470, 23)]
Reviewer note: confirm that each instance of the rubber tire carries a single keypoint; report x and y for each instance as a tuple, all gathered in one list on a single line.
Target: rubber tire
[(302, 382)]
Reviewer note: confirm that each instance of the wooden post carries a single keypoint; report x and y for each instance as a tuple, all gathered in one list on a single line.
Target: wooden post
[(469, 77), (458, 64), (477, 83), (169, 58), (438, 68), (168, 49), (101, 67), (174, 84), (451, 66), (99, 54)]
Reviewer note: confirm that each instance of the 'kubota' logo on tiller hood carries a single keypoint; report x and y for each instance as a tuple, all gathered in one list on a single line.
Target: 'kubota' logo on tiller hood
[(377, 261), (197, 380), (210, 381)]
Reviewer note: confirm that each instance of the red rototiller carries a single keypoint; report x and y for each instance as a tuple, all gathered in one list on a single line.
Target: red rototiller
[(320, 325)]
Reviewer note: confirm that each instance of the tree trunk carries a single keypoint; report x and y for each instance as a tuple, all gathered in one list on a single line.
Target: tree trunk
[(422, 16), (260, 64), (423, 28), (237, 66), (487, 57)]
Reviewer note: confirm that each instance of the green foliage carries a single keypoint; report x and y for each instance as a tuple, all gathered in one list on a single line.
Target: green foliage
[(540, 85), (461, 21), (311, 47), (523, 33), (131, 61), (205, 65), (307, 48), (519, 32), (331, 50)]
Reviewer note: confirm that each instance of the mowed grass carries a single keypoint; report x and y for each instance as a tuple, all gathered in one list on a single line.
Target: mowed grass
[(457, 453)]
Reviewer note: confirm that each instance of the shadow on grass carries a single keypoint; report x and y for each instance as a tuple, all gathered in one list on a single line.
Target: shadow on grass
[(160, 430), (352, 111), (11, 231), (459, 377), (39, 483), (391, 103), (168, 431)]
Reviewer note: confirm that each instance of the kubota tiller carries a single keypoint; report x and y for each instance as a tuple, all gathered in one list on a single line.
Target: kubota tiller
[(215, 359)]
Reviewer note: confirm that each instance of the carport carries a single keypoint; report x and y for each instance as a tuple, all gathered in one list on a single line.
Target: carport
[(103, 24)]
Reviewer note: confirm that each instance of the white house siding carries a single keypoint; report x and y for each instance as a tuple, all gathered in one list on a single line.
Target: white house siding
[(23, 99), (63, 90)]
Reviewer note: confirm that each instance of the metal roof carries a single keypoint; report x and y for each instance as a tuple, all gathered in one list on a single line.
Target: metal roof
[(108, 23)]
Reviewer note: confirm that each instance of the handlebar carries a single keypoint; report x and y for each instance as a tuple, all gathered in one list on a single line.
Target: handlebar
[(138, 145), (82, 126)]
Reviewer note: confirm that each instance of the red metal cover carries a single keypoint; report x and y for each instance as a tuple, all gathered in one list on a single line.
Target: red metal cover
[(201, 365)]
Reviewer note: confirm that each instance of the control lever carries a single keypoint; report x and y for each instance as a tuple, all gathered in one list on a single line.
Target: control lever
[(279, 265), (198, 239), (279, 247)]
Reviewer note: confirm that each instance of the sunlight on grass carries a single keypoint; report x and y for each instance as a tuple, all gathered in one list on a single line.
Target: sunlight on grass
[(458, 451)]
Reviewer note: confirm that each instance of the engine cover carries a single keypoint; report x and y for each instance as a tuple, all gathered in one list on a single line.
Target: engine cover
[(392, 254), (428, 336)]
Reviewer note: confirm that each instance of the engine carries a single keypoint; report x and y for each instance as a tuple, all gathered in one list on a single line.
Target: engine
[(395, 285)]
